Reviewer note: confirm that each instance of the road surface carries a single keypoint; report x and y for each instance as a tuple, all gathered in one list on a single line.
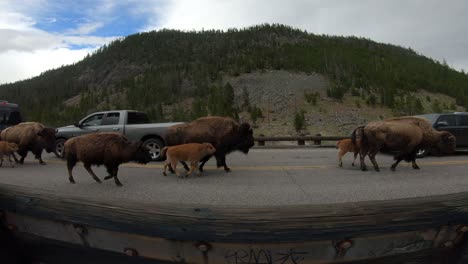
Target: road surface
[(265, 177)]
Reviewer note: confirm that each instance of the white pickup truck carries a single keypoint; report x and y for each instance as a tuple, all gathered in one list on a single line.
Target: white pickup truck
[(133, 124)]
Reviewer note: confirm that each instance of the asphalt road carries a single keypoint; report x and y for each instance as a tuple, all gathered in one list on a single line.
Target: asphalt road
[(265, 177)]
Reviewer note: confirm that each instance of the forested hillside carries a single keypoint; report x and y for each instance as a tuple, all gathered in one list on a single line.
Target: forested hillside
[(152, 71)]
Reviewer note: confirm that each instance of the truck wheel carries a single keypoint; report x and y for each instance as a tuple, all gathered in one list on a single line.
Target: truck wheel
[(422, 153), (155, 147), (59, 148)]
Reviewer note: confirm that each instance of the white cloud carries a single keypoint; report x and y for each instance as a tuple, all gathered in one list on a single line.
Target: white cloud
[(26, 51), (18, 65), (434, 28)]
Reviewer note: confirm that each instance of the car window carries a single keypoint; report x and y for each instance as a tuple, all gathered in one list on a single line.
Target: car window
[(111, 119), (137, 118), (449, 119), (463, 120), (94, 120)]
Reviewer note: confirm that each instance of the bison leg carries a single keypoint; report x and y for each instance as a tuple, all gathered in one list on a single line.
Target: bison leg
[(11, 162), (221, 161), (71, 162), (340, 158), (394, 165), (91, 172), (174, 166), (362, 155), (15, 158), (372, 159), (1, 160), (38, 156), (193, 167), (165, 167), (355, 157), (186, 167), (116, 179), (202, 162), (23, 153)]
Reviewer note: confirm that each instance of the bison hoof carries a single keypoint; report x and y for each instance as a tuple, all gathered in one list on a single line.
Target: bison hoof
[(364, 169), (42, 163), (164, 173), (119, 184), (416, 167), (108, 177), (377, 169), (73, 182), (352, 164), (227, 169)]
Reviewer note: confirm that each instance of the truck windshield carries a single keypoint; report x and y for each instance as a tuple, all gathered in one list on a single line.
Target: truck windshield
[(137, 118)]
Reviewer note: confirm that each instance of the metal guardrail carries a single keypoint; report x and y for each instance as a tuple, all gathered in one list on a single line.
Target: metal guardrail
[(317, 139), (417, 230)]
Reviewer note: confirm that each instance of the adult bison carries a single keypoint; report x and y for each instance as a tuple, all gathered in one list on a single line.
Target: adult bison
[(30, 136), (224, 133), (405, 135), (104, 148)]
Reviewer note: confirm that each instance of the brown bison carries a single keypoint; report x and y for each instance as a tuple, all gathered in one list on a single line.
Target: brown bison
[(346, 145), (30, 136), (224, 133), (7, 149), (192, 152), (405, 135), (104, 148)]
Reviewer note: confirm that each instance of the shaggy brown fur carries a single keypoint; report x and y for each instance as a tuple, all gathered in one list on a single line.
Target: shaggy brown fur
[(345, 146), (406, 135), (7, 148), (104, 148), (30, 136), (192, 152), (224, 133)]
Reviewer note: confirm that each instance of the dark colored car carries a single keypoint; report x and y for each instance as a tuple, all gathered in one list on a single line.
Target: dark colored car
[(10, 114), (455, 123)]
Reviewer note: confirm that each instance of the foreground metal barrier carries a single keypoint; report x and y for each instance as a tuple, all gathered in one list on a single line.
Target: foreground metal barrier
[(416, 230)]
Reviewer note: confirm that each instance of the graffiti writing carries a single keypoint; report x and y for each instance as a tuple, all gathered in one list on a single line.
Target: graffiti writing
[(264, 256)]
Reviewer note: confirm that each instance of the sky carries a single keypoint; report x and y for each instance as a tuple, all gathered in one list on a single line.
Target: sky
[(39, 35)]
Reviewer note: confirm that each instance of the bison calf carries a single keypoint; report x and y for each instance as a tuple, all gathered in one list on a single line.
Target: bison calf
[(105, 148), (192, 152), (345, 146), (7, 148)]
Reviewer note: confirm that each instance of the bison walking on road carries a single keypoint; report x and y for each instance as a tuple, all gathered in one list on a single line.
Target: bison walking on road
[(192, 152), (405, 135), (7, 149), (30, 136), (224, 133), (346, 145), (105, 148)]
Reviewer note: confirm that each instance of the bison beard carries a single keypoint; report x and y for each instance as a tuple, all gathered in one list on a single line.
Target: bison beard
[(224, 133)]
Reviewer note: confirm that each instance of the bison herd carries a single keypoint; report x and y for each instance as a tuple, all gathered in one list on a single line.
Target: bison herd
[(205, 137)]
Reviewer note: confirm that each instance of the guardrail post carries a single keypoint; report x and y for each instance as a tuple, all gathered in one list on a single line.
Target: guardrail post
[(261, 142), (318, 141), (300, 142)]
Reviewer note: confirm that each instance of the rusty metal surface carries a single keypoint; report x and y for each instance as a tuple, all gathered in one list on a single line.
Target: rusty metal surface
[(327, 251)]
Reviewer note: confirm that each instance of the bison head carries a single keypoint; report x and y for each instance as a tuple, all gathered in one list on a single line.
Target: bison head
[(209, 149), (446, 143), (142, 154), (246, 138), (47, 138)]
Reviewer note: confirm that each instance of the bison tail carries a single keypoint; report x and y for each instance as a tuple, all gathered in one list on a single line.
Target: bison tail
[(359, 131), (163, 152)]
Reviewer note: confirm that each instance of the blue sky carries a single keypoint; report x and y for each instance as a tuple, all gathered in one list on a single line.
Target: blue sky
[(37, 35)]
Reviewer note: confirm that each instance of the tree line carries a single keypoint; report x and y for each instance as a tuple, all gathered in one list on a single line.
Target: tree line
[(149, 71)]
